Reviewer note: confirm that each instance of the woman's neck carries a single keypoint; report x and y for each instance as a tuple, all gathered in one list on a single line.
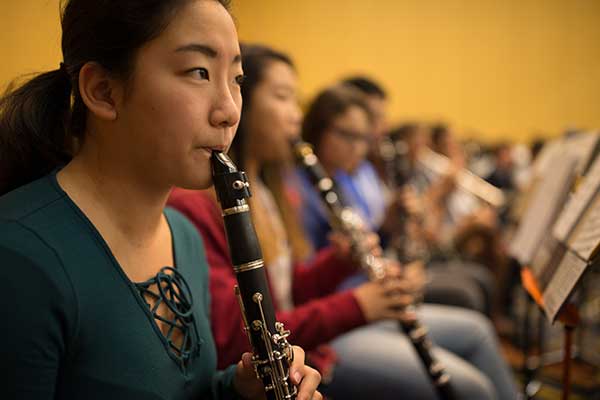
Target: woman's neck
[(123, 202)]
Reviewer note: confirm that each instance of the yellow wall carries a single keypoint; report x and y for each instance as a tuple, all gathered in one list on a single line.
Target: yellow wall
[(503, 68), (29, 37)]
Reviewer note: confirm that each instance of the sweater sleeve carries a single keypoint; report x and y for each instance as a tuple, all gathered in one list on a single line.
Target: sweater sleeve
[(321, 275), (313, 323), (38, 315), (222, 385)]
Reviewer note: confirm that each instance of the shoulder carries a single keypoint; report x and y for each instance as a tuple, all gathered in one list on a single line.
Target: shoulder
[(39, 305), (37, 290), (367, 168), (24, 212), (34, 220), (183, 230), (366, 173), (30, 199), (190, 252), (195, 204), (26, 255), (201, 208), (193, 198)]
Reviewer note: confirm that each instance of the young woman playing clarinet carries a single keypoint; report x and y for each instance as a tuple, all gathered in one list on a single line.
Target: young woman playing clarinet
[(104, 291)]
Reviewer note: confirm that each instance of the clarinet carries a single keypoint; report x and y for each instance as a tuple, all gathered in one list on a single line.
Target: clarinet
[(394, 153), (345, 219), (272, 354)]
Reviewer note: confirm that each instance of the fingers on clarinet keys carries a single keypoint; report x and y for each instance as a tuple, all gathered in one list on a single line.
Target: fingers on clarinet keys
[(393, 269), (246, 381), (380, 301), (415, 273), (371, 243), (304, 377)]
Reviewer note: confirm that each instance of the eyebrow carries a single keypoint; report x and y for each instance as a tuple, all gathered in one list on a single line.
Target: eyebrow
[(206, 50), (285, 86)]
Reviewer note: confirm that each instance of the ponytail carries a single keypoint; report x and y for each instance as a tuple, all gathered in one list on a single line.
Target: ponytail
[(33, 129)]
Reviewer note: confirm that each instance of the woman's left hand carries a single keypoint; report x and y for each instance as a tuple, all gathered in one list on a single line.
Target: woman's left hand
[(302, 376), (412, 273)]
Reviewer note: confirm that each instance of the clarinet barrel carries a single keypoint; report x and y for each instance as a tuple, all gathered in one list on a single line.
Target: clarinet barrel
[(272, 354)]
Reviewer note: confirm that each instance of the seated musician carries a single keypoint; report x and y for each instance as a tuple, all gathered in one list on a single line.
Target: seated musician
[(360, 324), (104, 291)]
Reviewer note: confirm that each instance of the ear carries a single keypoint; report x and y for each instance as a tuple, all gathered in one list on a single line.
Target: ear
[(98, 91)]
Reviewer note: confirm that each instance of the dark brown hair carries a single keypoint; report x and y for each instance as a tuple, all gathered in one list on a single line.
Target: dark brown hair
[(366, 85), (328, 105), (256, 58)]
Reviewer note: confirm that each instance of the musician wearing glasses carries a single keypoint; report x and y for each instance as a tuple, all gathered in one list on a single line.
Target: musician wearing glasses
[(451, 328)]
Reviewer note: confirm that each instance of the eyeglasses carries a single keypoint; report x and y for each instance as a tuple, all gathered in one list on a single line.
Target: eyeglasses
[(352, 136)]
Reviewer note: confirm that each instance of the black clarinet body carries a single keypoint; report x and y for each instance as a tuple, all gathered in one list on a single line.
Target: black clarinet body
[(394, 152), (350, 223), (398, 172), (272, 354)]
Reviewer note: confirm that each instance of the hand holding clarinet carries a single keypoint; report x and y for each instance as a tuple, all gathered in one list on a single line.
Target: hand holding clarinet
[(278, 366)]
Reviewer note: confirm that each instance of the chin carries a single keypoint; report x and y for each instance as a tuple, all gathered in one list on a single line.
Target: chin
[(200, 180)]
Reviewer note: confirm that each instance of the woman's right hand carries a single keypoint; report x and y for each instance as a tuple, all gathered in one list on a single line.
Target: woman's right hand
[(383, 299)]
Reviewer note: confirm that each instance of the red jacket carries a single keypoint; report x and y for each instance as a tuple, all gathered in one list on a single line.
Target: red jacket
[(320, 313)]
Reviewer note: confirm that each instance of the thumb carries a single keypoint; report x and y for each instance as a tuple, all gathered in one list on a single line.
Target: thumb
[(245, 365)]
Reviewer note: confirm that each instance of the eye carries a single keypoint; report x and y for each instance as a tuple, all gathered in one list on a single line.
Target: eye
[(282, 96), (240, 79), (201, 73)]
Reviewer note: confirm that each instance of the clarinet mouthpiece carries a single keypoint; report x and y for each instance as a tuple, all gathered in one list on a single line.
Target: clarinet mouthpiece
[(221, 163), (231, 185)]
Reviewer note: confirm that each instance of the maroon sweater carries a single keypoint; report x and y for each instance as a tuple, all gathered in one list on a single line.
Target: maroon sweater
[(320, 314)]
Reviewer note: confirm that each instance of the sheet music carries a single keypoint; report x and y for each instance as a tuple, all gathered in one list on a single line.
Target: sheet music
[(583, 145), (554, 256), (586, 236), (542, 256), (578, 203), (562, 284), (547, 155), (546, 203)]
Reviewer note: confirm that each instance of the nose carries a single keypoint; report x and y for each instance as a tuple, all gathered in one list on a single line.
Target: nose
[(361, 148), (295, 120), (296, 114), (226, 107)]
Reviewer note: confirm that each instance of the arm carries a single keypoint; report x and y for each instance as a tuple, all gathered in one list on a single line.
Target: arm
[(321, 275), (38, 317)]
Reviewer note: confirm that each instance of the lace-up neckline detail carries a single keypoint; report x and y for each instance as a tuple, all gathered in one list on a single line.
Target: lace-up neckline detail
[(170, 301)]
